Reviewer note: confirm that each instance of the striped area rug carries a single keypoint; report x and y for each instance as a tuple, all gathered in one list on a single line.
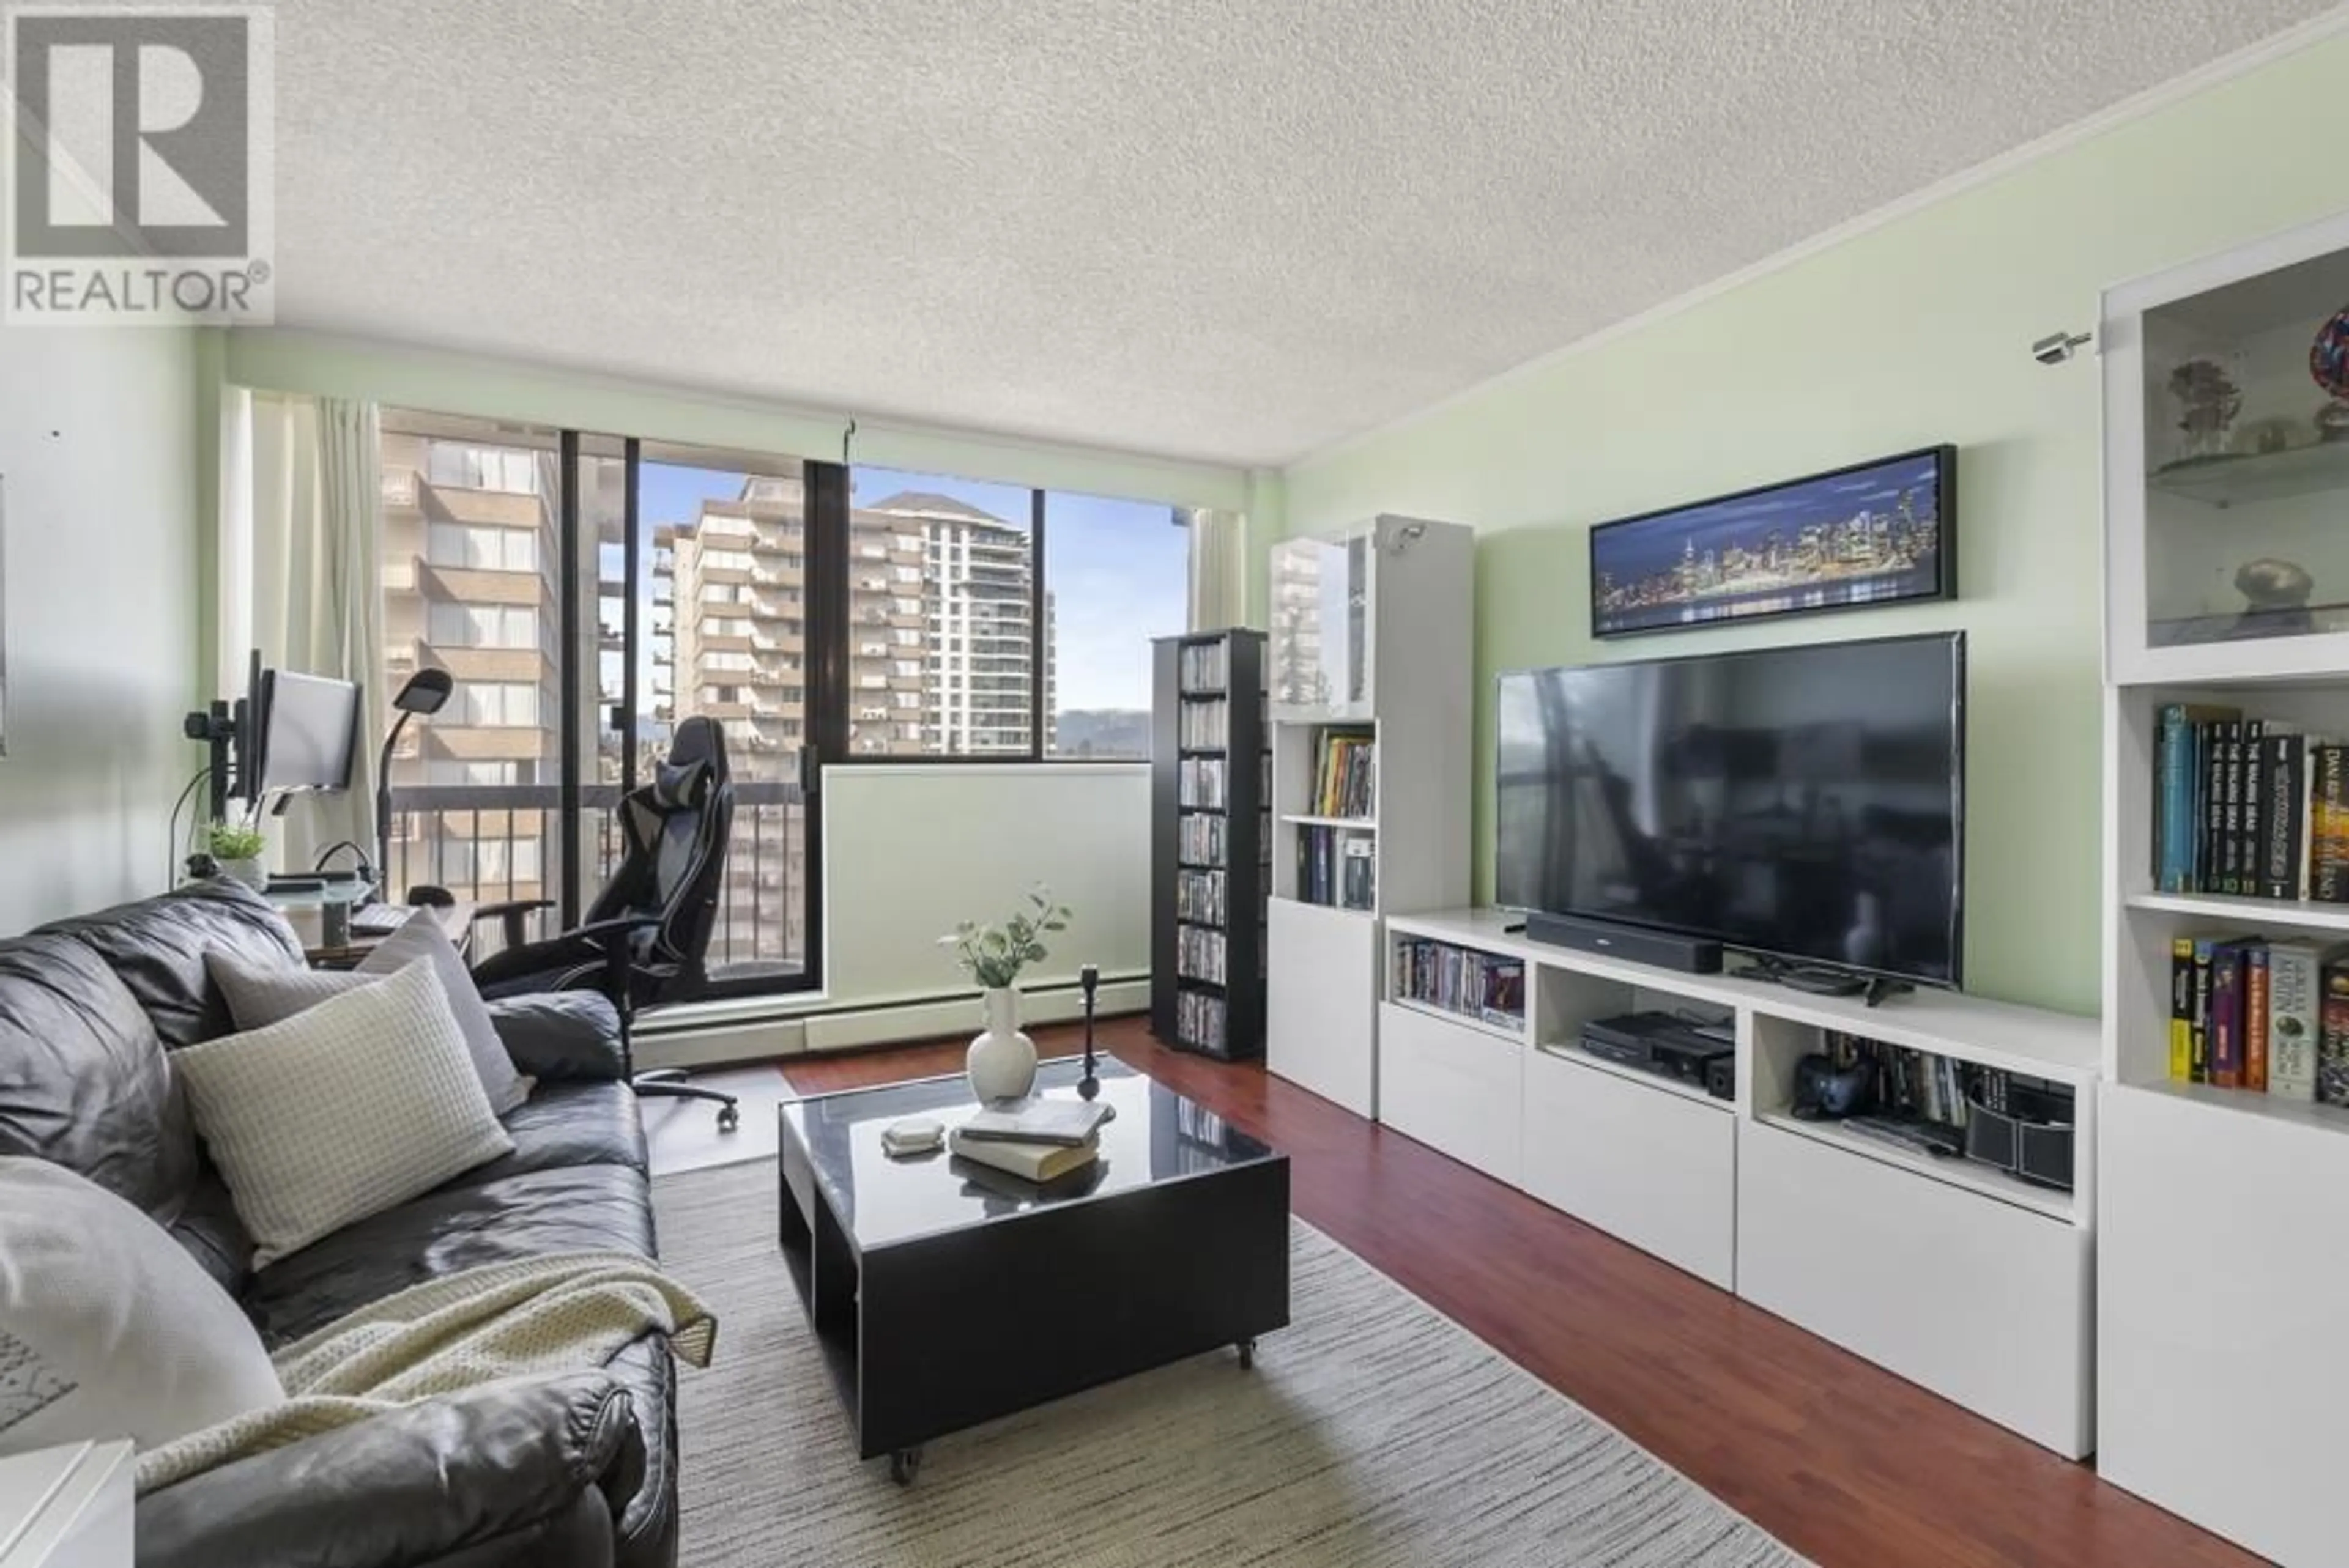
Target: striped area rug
[(1373, 1433)]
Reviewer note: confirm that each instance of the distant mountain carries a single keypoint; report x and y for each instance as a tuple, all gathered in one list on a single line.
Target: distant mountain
[(1105, 732)]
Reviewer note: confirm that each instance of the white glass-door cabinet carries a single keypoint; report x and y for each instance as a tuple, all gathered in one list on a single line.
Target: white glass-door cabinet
[(2227, 464)]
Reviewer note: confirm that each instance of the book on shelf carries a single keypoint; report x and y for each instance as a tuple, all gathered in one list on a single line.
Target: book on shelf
[(1068, 1122), (1037, 1163), (1924, 1086), (2258, 1016), (1460, 980), (2181, 1008), (2332, 1036), (1338, 867), (2248, 808), (2255, 1016), (2295, 1005), (1344, 770)]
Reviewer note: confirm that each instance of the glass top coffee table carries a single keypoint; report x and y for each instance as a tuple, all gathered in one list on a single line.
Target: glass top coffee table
[(943, 1294)]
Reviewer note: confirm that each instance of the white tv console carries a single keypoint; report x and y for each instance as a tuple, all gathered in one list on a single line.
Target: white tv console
[(1959, 1277)]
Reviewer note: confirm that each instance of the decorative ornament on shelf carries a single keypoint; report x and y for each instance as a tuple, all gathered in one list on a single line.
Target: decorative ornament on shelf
[(2208, 401), (1002, 1061), (2333, 421), (2328, 357), (238, 847), (2275, 599)]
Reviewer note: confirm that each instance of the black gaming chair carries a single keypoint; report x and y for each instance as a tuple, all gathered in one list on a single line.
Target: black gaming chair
[(647, 933)]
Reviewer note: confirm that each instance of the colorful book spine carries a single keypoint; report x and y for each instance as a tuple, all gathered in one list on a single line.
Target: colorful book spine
[(2209, 790), (2251, 759), (2228, 807), (2295, 1008), (2328, 831), (2181, 1008), (2255, 1017), (2333, 1039), (2227, 1014), (2198, 1057), (2285, 835)]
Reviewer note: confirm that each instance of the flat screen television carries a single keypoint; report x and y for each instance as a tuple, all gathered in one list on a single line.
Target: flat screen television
[(1801, 803)]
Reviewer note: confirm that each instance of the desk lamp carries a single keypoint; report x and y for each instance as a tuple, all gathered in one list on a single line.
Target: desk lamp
[(427, 692)]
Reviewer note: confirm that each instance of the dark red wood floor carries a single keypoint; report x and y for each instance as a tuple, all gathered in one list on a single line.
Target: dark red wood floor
[(1847, 1464)]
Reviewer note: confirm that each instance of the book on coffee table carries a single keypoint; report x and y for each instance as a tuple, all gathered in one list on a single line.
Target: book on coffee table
[(1035, 1161), (1067, 1122)]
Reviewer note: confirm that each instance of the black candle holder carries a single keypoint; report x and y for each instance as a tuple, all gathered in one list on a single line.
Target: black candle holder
[(1089, 977)]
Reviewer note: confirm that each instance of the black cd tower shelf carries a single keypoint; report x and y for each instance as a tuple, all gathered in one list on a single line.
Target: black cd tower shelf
[(1210, 844)]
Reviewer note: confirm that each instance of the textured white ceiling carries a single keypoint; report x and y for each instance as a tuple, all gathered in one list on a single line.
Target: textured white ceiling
[(1211, 230)]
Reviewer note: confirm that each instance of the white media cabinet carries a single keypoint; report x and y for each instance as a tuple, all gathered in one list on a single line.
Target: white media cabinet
[(1962, 1278)]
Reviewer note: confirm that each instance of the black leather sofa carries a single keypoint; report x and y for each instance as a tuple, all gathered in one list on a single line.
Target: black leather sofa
[(579, 1470)]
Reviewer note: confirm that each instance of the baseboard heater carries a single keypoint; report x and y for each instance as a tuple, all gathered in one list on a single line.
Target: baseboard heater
[(690, 1043)]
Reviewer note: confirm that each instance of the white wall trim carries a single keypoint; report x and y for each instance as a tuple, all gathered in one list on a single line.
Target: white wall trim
[(2154, 99)]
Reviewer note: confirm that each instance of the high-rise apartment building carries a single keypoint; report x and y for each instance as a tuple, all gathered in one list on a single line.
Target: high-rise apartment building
[(977, 582), (738, 652), (470, 579)]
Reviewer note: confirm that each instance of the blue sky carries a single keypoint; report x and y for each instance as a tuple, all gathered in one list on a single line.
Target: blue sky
[(1116, 569)]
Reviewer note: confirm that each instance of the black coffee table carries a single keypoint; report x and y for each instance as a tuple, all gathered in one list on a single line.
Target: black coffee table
[(943, 1294)]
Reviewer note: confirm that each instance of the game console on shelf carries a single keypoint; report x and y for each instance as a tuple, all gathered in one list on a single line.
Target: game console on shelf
[(1670, 1047)]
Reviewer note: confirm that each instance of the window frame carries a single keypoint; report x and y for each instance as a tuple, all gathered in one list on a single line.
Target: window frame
[(836, 569)]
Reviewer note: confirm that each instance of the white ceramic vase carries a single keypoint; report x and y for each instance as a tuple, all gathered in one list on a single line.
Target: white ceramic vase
[(1002, 1060), (250, 871)]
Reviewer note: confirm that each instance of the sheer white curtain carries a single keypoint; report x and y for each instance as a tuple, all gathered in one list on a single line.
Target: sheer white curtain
[(306, 548), (1218, 568)]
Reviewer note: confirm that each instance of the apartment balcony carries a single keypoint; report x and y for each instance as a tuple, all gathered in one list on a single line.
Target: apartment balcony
[(403, 487), (485, 742), (726, 642), (779, 576), (481, 586), (487, 843), (527, 665), (778, 643), (403, 575)]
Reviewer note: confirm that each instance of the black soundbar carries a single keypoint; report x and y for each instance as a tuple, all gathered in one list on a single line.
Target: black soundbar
[(1689, 955)]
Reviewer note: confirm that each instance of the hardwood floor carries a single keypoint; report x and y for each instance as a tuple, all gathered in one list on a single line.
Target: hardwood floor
[(1847, 1464)]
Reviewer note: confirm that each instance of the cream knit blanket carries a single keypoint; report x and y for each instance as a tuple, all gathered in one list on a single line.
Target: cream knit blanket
[(568, 1313)]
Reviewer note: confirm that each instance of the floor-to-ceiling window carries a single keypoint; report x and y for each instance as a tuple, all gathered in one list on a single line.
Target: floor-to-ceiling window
[(688, 574), (592, 592)]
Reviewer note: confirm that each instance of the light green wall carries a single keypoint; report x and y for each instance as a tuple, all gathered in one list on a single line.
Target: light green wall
[(442, 382), (1913, 333)]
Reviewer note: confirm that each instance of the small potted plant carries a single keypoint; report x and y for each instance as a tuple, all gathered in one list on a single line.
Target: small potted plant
[(237, 846), (1002, 1061)]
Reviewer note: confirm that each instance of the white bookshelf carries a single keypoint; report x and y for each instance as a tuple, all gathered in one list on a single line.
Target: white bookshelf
[(1961, 1277), (2219, 1261), (1370, 634)]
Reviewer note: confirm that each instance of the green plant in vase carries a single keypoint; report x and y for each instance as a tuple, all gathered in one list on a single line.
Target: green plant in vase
[(1002, 1060), (238, 847)]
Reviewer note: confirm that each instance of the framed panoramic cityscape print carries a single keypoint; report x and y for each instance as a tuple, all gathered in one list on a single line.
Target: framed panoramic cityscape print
[(1878, 532)]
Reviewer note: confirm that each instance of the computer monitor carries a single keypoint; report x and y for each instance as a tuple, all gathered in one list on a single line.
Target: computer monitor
[(307, 727)]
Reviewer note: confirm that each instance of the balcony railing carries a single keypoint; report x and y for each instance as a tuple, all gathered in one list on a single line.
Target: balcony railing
[(487, 843)]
